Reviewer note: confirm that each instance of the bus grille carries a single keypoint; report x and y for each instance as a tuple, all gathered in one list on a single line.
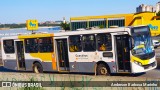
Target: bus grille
[(149, 65)]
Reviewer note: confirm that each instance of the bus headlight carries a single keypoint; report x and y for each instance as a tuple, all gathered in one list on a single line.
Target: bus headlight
[(135, 62), (138, 63)]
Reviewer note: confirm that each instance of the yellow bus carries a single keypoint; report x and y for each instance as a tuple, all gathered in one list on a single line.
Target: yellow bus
[(101, 51)]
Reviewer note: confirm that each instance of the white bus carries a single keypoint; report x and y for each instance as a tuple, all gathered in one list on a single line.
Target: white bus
[(102, 51)]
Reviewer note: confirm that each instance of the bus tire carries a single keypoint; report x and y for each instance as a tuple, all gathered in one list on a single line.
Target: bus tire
[(102, 70), (37, 68)]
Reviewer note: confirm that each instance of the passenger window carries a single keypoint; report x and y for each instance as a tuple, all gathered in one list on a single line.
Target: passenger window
[(46, 44), (104, 42), (31, 45), (89, 42), (75, 43), (8, 46)]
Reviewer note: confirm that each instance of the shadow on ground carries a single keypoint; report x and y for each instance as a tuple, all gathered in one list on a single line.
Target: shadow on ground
[(2, 69)]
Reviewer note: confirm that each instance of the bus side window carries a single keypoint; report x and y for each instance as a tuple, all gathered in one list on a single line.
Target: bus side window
[(31, 45), (89, 42), (75, 43), (46, 44), (8, 46), (104, 42)]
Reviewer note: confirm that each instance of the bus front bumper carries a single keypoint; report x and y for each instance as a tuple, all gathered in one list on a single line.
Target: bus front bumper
[(144, 68)]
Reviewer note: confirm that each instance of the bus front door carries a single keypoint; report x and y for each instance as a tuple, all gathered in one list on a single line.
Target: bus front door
[(62, 51), (20, 55), (123, 53)]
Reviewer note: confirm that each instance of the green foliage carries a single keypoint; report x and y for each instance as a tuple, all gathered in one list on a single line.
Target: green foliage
[(158, 14), (24, 25), (12, 25), (101, 26), (65, 26)]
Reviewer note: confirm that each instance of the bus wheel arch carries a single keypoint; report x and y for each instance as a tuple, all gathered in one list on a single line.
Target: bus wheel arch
[(102, 68), (37, 67)]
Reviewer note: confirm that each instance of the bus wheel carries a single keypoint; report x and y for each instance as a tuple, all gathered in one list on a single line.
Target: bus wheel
[(102, 70), (37, 68)]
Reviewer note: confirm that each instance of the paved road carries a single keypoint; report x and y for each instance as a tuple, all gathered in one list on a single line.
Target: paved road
[(157, 50), (152, 74), (156, 72)]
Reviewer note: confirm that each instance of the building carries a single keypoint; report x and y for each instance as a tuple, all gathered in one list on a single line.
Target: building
[(121, 20), (145, 8), (157, 7), (58, 22), (148, 8)]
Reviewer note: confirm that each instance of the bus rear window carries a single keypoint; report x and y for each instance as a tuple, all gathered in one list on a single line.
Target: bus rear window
[(31, 45), (8, 46)]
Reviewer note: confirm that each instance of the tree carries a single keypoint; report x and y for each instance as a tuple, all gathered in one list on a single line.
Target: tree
[(158, 14), (101, 26), (65, 26)]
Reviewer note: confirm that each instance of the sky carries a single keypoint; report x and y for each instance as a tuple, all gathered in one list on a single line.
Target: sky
[(18, 11)]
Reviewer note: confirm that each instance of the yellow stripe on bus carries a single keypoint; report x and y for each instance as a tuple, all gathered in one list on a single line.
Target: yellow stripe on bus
[(43, 56), (46, 57), (143, 62), (35, 35)]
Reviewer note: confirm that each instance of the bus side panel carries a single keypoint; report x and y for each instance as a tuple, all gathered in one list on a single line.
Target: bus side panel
[(47, 66), (10, 64), (9, 60), (82, 61), (86, 62), (29, 64), (112, 67), (44, 59), (82, 67)]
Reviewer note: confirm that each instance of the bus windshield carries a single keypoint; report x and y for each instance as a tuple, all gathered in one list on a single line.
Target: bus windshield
[(142, 43)]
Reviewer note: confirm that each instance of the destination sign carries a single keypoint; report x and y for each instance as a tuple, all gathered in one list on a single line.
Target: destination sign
[(140, 30)]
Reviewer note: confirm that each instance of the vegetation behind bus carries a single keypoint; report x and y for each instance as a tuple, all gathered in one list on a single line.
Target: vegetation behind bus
[(24, 25)]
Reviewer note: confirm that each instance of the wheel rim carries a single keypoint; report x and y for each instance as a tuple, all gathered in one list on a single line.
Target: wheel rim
[(36, 69), (103, 71)]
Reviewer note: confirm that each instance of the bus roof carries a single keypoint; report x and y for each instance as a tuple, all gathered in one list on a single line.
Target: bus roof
[(66, 33), (108, 30)]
